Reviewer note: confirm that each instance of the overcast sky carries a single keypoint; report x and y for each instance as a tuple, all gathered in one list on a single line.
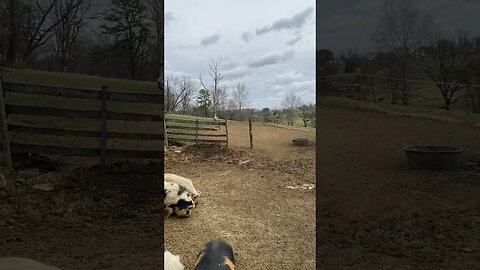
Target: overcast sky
[(346, 24), (269, 45)]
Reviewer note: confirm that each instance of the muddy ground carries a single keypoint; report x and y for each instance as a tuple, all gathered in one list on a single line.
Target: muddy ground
[(245, 200), (89, 221), (374, 213)]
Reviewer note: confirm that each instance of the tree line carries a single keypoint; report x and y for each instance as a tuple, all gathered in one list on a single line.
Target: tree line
[(210, 97), (121, 38), (409, 48)]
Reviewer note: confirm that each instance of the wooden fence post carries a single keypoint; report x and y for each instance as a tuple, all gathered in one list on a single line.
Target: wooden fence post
[(226, 131), (357, 71), (196, 132), (250, 132), (7, 155), (103, 127), (165, 131)]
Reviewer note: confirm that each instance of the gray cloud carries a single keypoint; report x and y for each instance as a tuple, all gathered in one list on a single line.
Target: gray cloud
[(236, 73), (293, 41), (169, 18), (346, 24), (296, 21), (209, 40), (247, 36), (272, 59)]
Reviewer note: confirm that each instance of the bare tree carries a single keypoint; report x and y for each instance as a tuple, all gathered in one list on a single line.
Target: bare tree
[(307, 113), (445, 62), (290, 103), (402, 31), (75, 18), (170, 84), (179, 93), (222, 96), (10, 10), (231, 108), (38, 26), (30, 26), (156, 16), (216, 92), (183, 95), (240, 96), (472, 76), (127, 24), (4, 33)]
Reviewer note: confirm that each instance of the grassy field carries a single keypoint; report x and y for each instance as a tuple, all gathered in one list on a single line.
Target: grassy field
[(414, 109), (425, 100), (29, 76)]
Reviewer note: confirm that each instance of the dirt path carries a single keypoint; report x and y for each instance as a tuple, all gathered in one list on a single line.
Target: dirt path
[(275, 142), (268, 225), (377, 214)]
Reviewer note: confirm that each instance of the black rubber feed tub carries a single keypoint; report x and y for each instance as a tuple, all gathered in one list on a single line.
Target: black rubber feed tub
[(300, 142), (432, 157)]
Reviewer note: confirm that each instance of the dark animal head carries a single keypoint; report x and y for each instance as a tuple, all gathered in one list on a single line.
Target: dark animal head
[(216, 255)]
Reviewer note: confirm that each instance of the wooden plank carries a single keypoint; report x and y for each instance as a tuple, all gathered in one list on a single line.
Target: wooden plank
[(54, 150), (103, 127), (7, 155), (196, 131), (53, 131), (136, 97), (165, 132), (48, 111), (52, 91), (205, 123), (190, 128), (80, 114), (136, 136), (136, 154), (84, 133), (134, 117), (81, 93), (84, 152), (194, 134), (199, 140)]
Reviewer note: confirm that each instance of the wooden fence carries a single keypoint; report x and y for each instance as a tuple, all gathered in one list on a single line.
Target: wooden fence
[(105, 122), (195, 131)]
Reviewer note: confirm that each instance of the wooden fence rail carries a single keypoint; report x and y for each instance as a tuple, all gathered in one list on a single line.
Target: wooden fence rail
[(9, 129), (184, 130)]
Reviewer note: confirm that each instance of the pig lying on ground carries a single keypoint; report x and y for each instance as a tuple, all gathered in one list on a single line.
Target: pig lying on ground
[(177, 200)]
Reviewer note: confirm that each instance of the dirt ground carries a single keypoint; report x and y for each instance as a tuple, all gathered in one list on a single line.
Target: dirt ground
[(374, 213), (94, 221), (89, 221), (245, 200)]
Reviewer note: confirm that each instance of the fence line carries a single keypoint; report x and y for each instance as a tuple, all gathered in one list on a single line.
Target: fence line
[(184, 130), (353, 85), (103, 115), (396, 79)]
